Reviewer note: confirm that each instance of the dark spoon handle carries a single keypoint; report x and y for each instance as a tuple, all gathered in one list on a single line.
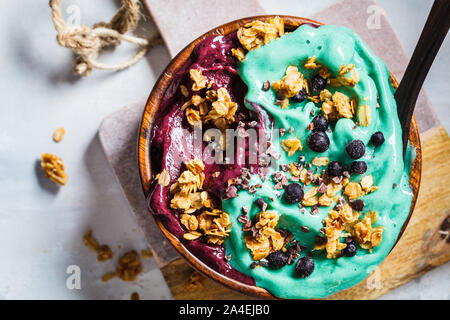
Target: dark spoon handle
[(430, 41)]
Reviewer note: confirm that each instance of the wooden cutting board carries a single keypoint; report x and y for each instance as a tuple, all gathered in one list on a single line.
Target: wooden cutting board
[(425, 243)]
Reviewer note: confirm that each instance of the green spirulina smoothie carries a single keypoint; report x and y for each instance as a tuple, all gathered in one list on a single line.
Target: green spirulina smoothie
[(333, 47)]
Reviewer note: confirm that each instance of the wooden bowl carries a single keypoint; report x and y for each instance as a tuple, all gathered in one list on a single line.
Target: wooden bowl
[(144, 146)]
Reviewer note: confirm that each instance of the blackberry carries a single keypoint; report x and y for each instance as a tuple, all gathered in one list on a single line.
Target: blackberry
[(318, 141)]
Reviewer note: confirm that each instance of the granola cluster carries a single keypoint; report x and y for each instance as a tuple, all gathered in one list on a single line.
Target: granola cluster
[(264, 238), (53, 168), (291, 146), (345, 222), (348, 76), (257, 33), (187, 192), (343, 219), (355, 190), (216, 107), (289, 86), (215, 225), (334, 106)]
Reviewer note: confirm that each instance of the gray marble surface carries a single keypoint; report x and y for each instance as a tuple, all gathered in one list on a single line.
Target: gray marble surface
[(41, 226)]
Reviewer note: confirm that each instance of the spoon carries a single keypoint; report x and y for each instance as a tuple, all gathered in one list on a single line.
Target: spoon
[(430, 41)]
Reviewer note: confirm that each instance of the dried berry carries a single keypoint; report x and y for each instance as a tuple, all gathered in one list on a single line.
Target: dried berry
[(377, 139), (293, 193), (304, 267), (318, 141), (300, 97), (335, 169), (358, 167), (355, 149), (351, 249), (320, 123), (318, 83), (277, 259)]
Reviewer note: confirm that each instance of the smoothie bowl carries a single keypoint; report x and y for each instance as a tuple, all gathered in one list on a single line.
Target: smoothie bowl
[(270, 154)]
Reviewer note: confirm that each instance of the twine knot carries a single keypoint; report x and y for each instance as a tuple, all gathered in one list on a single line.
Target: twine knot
[(87, 42)]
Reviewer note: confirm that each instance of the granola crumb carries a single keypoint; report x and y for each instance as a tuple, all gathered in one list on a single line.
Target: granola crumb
[(135, 296), (59, 134), (108, 276), (104, 252), (195, 282), (146, 254), (129, 266)]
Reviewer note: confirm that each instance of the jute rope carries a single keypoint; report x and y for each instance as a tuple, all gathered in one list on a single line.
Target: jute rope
[(87, 43)]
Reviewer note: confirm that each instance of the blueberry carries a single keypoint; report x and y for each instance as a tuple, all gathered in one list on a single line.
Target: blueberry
[(355, 149), (350, 249), (293, 193), (377, 139), (318, 141), (358, 167), (277, 259), (334, 169), (320, 123), (304, 267), (318, 83), (300, 97), (357, 205)]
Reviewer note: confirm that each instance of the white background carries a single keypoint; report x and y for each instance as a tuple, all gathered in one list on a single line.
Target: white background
[(41, 226)]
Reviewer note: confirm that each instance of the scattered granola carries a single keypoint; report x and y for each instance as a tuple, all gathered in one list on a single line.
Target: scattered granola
[(135, 296), (311, 63), (320, 161), (256, 33), (103, 251), (59, 134), (291, 146), (129, 266), (108, 276), (238, 53), (53, 168), (146, 254), (265, 239), (198, 79), (195, 282), (342, 79), (289, 86), (365, 115), (163, 178)]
